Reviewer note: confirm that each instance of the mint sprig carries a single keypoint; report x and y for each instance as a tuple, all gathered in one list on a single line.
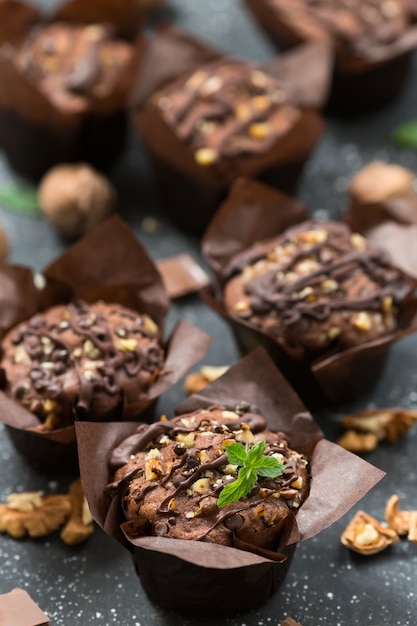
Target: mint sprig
[(405, 135), (253, 464), (19, 198)]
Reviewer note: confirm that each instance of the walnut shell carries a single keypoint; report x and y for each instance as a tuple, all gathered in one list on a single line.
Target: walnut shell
[(403, 522), (365, 535), (75, 198), (33, 514), (388, 424)]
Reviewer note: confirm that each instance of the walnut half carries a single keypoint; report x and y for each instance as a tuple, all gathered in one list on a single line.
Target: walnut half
[(389, 424), (365, 535), (33, 513), (403, 522), (358, 442), (80, 524), (196, 381)]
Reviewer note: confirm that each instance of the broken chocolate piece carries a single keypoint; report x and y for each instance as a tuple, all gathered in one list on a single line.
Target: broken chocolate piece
[(18, 609)]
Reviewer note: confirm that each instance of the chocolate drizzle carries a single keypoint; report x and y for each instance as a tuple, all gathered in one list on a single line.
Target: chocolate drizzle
[(53, 354), (82, 60), (315, 270), (161, 459), (356, 26), (228, 107)]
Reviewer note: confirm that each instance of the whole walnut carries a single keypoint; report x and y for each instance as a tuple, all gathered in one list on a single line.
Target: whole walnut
[(75, 198)]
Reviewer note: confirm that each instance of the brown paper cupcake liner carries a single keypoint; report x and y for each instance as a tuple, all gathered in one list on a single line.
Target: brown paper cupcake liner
[(183, 183), (208, 579), (108, 264), (333, 378), (391, 225)]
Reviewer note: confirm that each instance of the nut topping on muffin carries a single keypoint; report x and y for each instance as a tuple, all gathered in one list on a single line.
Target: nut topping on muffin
[(317, 288), (74, 64), (354, 26), (173, 474), (225, 109), (81, 360)]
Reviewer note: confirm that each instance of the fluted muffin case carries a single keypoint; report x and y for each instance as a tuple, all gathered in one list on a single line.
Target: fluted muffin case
[(110, 265), (205, 579)]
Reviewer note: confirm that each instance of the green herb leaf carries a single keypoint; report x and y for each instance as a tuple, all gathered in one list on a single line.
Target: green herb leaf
[(271, 468), (405, 135), (253, 464), (19, 198), (236, 453), (239, 488), (255, 453)]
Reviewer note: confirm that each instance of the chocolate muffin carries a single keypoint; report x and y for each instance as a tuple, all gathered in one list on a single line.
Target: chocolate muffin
[(77, 66), (228, 113), (207, 123), (372, 42), (66, 97), (317, 289), (173, 473), (81, 361)]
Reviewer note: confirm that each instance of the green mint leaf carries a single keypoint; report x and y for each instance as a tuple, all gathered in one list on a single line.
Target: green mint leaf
[(405, 135), (252, 464), (255, 453), (271, 468), (19, 198), (238, 489), (236, 453)]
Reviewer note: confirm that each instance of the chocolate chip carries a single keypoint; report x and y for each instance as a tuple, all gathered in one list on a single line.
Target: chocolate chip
[(234, 522), (179, 449), (160, 529)]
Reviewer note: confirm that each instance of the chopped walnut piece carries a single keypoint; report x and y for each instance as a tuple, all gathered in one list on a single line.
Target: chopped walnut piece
[(389, 424), (365, 535), (33, 514), (80, 523), (196, 381), (403, 522), (412, 531), (358, 442)]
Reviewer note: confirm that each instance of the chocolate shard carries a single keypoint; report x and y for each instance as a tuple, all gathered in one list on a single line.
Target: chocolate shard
[(18, 609), (181, 275)]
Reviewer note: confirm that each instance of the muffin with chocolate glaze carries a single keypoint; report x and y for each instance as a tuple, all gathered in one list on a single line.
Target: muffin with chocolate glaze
[(177, 471), (316, 288), (315, 294), (81, 361), (67, 89), (372, 42), (222, 118), (169, 489)]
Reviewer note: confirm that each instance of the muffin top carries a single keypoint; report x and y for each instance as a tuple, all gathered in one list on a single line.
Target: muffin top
[(354, 26), (172, 475), (77, 67), (225, 109), (318, 288), (89, 361)]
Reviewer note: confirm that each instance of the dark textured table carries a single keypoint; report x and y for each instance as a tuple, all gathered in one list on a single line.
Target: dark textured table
[(327, 585)]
